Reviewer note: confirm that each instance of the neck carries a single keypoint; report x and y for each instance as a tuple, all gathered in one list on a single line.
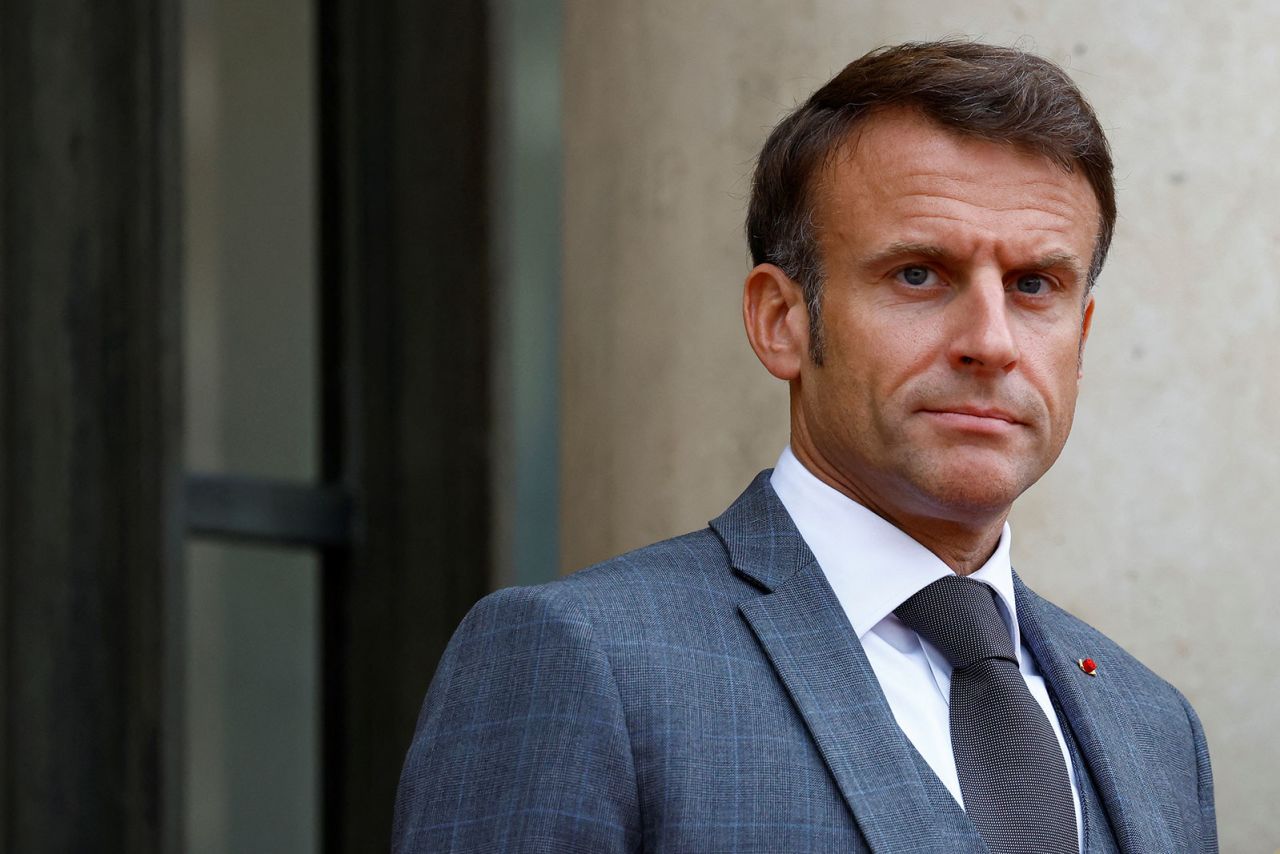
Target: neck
[(963, 541)]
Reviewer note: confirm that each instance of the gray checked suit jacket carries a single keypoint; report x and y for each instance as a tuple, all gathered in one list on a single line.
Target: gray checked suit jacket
[(707, 693)]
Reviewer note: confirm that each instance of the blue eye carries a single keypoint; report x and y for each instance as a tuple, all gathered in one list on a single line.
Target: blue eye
[(1032, 284), (915, 275)]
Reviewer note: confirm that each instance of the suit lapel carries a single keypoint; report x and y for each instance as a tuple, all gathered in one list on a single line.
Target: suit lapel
[(1098, 836), (1099, 711), (895, 797)]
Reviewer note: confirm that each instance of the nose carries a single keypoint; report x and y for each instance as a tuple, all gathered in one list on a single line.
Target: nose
[(982, 338)]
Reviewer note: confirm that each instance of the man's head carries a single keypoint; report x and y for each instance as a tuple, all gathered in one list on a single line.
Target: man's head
[(993, 93), (945, 241)]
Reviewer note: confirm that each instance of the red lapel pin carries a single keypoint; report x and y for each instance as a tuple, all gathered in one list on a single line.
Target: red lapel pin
[(1088, 665)]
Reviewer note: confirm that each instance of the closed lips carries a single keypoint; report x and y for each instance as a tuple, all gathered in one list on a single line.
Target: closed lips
[(974, 411)]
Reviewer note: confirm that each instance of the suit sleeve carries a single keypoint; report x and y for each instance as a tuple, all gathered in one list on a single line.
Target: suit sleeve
[(521, 744), (1208, 813)]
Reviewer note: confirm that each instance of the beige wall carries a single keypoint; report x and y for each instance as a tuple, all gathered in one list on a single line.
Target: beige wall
[(1158, 524)]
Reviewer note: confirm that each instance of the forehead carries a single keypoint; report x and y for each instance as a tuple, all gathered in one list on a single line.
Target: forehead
[(903, 177)]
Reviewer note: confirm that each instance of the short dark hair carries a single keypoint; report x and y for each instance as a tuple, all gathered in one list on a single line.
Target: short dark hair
[(994, 93)]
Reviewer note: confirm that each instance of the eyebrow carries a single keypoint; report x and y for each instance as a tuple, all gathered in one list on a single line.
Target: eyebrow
[(1051, 261), (1060, 261)]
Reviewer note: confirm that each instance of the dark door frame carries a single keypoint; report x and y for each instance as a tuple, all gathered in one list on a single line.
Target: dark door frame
[(94, 502), (406, 295), (91, 500)]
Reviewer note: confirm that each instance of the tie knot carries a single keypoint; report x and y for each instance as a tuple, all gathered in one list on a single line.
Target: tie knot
[(959, 616)]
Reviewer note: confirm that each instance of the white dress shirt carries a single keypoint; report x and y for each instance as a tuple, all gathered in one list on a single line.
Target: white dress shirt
[(874, 567)]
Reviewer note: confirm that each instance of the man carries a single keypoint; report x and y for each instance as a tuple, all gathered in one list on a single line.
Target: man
[(844, 660)]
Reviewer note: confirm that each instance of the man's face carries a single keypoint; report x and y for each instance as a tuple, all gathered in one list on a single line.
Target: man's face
[(954, 314)]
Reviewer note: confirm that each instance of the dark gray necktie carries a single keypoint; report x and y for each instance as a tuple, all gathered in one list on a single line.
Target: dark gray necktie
[(1012, 773)]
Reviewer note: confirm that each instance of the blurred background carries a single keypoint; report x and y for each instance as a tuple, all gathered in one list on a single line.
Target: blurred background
[(319, 319)]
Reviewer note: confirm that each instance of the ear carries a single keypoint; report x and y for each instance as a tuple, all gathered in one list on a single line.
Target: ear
[(1086, 324), (777, 320)]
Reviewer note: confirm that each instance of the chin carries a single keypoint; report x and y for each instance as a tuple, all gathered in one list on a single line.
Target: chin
[(973, 494)]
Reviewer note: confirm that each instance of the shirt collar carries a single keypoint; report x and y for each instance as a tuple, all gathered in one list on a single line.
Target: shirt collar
[(872, 566)]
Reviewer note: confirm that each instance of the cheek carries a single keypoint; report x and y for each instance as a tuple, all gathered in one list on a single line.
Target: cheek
[(1058, 379), (872, 352), (885, 337), (1055, 348)]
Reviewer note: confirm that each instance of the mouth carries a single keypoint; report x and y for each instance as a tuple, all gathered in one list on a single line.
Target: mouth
[(974, 418)]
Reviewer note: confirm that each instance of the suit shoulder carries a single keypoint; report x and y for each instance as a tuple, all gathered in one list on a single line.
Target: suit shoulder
[(696, 550), (697, 559), (693, 554), (664, 594)]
